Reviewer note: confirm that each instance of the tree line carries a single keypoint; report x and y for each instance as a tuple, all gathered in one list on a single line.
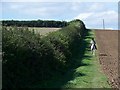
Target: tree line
[(35, 23)]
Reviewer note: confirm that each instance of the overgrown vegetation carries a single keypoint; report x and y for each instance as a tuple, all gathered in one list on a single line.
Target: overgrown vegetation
[(28, 58)]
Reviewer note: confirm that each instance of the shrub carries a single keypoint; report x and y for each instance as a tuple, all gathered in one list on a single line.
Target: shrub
[(28, 57)]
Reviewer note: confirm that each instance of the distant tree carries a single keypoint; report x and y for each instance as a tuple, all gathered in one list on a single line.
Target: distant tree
[(35, 23)]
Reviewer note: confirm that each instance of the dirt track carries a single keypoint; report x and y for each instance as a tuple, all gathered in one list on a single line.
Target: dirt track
[(107, 41)]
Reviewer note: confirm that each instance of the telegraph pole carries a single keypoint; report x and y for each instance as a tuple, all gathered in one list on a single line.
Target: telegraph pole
[(103, 24)]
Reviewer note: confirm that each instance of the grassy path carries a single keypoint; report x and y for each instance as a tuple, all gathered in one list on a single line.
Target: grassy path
[(91, 77), (86, 73)]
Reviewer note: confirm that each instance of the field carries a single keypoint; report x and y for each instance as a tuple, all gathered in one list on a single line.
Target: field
[(43, 31), (39, 30), (107, 41)]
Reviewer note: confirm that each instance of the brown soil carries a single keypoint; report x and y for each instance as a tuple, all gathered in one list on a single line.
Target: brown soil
[(107, 42)]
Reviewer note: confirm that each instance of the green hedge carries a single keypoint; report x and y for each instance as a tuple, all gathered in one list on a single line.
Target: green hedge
[(28, 57)]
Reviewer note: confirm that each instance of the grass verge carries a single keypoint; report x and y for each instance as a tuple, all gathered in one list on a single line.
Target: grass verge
[(92, 74)]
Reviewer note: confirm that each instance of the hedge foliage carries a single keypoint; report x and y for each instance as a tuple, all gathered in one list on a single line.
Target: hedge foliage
[(28, 57)]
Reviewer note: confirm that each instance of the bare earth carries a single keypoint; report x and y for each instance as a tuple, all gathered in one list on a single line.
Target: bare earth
[(107, 41)]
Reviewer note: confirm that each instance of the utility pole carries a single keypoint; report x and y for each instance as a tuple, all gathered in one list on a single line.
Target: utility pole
[(103, 24)]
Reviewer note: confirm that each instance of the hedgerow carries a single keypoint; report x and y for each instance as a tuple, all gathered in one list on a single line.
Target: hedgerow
[(28, 57)]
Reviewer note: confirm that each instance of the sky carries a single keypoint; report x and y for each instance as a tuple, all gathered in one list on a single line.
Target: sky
[(91, 13)]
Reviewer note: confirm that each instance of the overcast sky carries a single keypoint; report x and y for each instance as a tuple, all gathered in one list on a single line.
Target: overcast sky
[(91, 13)]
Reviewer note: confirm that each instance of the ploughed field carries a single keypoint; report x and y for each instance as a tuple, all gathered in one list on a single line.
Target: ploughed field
[(107, 42)]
